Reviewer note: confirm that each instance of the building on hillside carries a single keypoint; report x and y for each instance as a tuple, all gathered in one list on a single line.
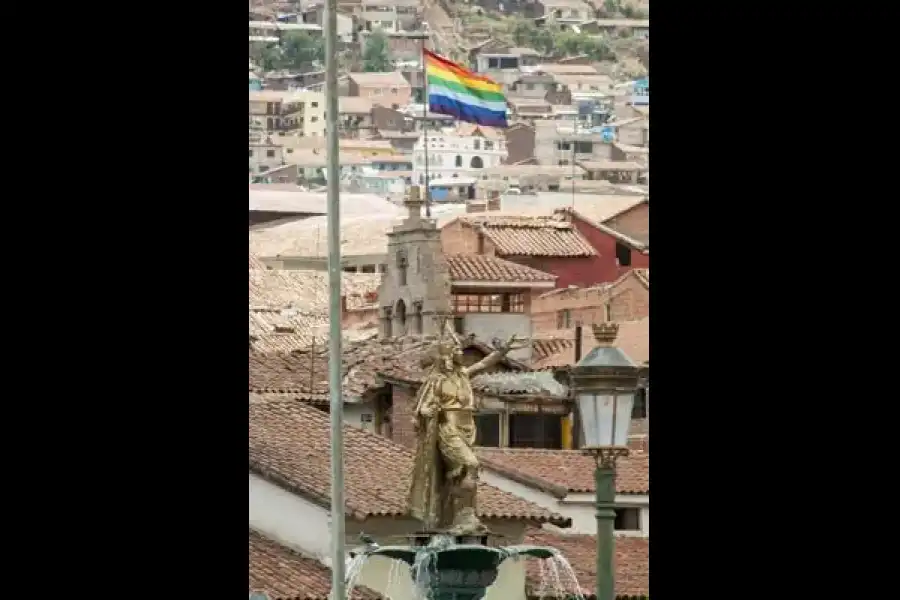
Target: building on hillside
[(300, 113), (504, 65), (633, 221), (387, 89), (290, 493), (561, 12), (639, 28), (613, 171), (389, 15), (562, 481), (356, 119), (519, 144), (559, 142), (458, 153), (265, 155)]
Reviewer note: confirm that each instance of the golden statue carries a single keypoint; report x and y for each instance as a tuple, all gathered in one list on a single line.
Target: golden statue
[(444, 483)]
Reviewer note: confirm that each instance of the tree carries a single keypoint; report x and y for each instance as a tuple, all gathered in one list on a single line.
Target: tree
[(376, 54), (300, 50), (268, 57)]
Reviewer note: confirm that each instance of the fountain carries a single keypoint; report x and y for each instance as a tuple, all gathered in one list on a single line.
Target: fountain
[(453, 560)]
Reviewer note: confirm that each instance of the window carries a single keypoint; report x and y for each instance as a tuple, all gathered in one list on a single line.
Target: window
[(458, 160), (563, 146), (488, 145), (623, 254), (516, 303), (459, 325), (270, 154), (477, 163), (493, 63), (402, 264), (387, 318), (487, 430), (607, 309), (315, 104), (417, 317), (639, 411), (476, 144), (627, 519), (401, 317), (563, 319), (251, 153), (535, 431), (313, 119), (366, 418), (477, 303), (584, 147)]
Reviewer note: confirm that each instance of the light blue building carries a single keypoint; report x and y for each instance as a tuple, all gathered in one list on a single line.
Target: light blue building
[(640, 94)]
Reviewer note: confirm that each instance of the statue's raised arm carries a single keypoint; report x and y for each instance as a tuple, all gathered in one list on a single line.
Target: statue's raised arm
[(514, 343)]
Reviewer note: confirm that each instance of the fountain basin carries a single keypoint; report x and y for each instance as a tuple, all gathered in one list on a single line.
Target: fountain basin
[(443, 570)]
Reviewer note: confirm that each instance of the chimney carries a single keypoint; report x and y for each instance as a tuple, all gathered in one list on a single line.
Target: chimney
[(473, 206), (605, 333), (493, 202)]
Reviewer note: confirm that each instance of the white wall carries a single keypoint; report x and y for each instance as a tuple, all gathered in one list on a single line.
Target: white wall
[(353, 414), (578, 507), (444, 148), (289, 519)]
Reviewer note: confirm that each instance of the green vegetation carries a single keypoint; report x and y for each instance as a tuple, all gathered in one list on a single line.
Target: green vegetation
[(553, 41), (298, 51), (376, 54)]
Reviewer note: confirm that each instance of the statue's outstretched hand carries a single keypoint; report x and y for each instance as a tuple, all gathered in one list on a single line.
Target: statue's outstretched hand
[(514, 343)]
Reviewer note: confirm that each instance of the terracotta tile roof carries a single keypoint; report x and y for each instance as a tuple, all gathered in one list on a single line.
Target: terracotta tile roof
[(531, 236), (632, 562), (546, 348), (289, 445), (304, 290), (305, 372), (477, 267), (560, 472), (587, 218), (284, 574)]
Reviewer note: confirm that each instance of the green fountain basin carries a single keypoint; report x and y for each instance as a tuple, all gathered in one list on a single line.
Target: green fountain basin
[(456, 572)]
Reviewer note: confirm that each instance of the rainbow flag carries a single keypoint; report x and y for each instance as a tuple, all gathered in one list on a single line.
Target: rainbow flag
[(458, 92)]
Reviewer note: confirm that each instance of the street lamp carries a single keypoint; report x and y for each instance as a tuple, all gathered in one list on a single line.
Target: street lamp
[(605, 382)]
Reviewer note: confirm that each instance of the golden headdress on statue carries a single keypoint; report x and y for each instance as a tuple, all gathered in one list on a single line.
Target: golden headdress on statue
[(446, 345)]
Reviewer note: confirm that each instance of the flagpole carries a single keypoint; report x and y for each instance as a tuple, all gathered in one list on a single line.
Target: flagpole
[(424, 38), (336, 400)]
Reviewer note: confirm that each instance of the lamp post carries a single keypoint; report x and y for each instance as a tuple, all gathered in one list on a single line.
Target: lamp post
[(605, 382)]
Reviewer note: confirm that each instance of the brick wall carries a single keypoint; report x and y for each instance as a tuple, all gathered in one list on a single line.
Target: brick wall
[(457, 238), (607, 268), (404, 402), (587, 306), (628, 300), (634, 222)]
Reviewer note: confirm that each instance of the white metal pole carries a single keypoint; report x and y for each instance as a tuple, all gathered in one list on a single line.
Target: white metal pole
[(334, 304)]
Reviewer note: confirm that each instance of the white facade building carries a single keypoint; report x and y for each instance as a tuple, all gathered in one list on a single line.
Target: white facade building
[(462, 152)]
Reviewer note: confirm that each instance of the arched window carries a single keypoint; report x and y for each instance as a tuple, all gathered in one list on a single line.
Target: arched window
[(401, 317), (402, 264), (417, 317), (386, 324), (458, 160), (477, 163)]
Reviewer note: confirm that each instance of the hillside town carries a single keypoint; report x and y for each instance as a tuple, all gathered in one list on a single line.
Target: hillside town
[(493, 176)]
